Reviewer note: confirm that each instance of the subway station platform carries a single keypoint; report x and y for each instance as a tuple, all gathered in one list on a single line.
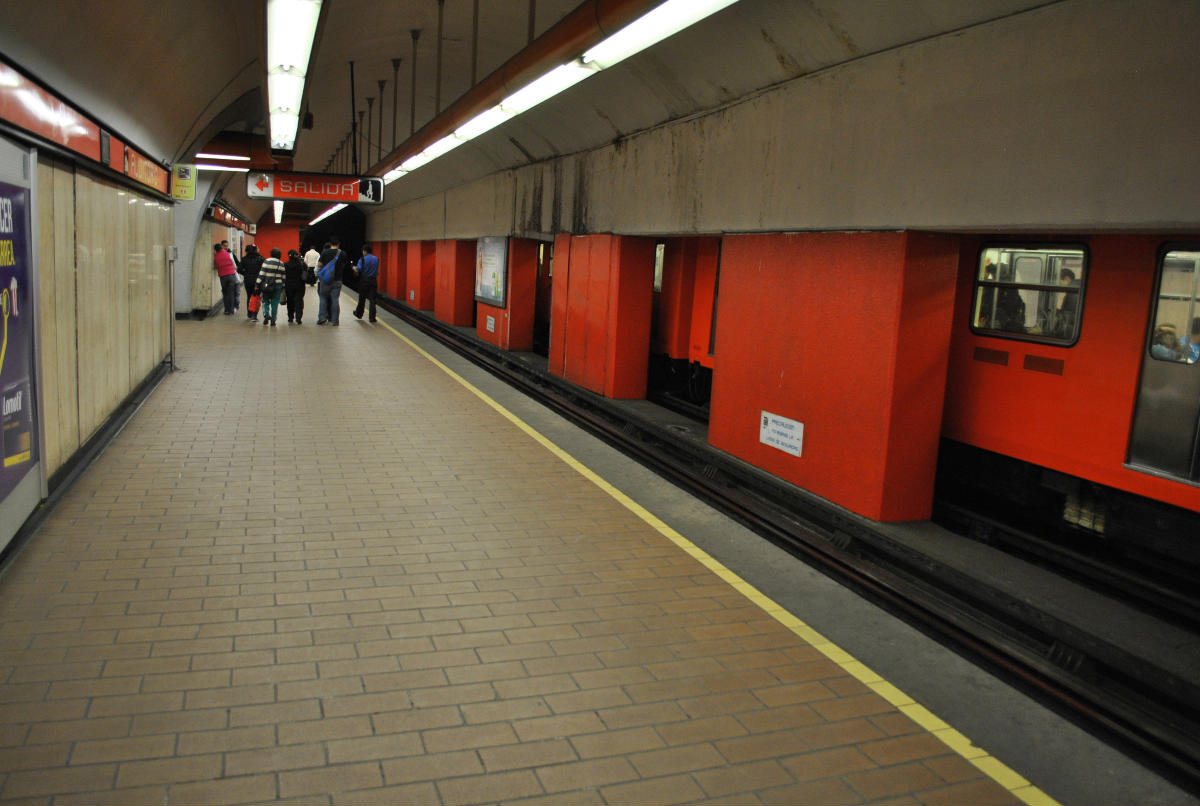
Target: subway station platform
[(344, 566)]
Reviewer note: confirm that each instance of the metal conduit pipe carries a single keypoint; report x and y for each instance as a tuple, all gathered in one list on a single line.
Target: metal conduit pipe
[(587, 25)]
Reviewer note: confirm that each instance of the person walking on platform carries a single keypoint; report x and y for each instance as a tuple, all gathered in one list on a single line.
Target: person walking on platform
[(251, 264), (293, 286), (237, 264), (329, 282), (368, 282), (227, 274), (270, 284), (311, 258)]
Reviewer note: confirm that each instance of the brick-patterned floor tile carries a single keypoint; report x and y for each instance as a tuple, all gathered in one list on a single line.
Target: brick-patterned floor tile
[(980, 792), (341, 778), (585, 774), (491, 788), (422, 794), (527, 754), (248, 789), (742, 778), (216, 614)]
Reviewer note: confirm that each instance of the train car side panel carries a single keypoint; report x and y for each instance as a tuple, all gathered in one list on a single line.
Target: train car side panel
[(1065, 408)]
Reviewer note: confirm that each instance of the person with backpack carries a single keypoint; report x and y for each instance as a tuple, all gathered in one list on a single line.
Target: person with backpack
[(330, 271), (270, 286)]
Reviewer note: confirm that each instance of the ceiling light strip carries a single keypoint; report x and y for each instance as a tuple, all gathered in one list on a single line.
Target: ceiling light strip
[(651, 28), (334, 209), (291, 28)]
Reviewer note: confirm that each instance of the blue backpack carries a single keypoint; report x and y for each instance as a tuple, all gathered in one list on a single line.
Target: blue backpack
[(326, 272)]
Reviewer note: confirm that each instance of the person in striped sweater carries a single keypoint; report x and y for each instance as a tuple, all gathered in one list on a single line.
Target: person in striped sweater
[(270, 285)]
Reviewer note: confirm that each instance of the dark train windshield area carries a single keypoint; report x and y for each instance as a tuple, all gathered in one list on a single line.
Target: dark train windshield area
[(1031, 293)]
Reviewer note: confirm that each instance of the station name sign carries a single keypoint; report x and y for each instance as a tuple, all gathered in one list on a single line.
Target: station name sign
[(314, 187)]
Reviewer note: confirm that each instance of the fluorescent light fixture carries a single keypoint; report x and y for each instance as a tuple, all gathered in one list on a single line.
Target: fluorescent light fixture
[(666, 19), (653, 27), (278, 204), (291, 28), (335, 208), (560, 78), (431, 152), (205, 166), (414, 162), (285, 91), (222, 157), (283, 129), (443, 146), (483, 122)]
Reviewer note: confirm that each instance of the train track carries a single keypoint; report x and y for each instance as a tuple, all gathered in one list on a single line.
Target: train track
[(1145, 711), (1167, 593)]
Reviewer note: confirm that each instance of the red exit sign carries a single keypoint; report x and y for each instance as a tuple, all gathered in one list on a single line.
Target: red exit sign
[(314, 187)]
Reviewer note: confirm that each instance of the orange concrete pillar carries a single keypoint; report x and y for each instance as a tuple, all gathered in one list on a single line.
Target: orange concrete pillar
[(606, 300), (511, 327), (397, 280), (454, 270), (846, 334), (707, 260), (684, 306), (558, 305), (419, 274)]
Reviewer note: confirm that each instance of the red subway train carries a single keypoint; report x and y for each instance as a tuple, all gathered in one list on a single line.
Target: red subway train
[(1072, 390)]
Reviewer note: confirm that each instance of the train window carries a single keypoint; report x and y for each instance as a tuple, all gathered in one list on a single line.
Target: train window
[(1176, 335), (1034, 294), (659, 249)]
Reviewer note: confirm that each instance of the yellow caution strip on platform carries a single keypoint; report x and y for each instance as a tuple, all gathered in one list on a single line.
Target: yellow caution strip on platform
[(1002, 774)]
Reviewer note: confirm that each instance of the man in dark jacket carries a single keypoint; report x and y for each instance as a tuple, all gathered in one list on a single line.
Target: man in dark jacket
[(293, 286), (251, 264), (329, 282), (368, 282)]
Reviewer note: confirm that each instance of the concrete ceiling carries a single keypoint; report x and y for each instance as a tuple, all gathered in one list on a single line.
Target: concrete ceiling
[(168, 75)]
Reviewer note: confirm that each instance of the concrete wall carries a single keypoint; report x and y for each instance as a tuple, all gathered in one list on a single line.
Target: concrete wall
[(1074, 116)]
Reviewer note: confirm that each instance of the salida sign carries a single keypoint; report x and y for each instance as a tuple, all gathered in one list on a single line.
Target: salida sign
[(314, 187)]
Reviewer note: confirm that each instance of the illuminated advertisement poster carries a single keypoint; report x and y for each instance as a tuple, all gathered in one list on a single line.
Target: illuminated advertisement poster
[(16, 350), (491, 270)]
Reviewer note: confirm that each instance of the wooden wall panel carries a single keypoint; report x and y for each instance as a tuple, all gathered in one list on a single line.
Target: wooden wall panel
[(56, 310), (103, 302)]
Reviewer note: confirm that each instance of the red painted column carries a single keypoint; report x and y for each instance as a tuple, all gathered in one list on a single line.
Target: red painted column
[(605, 299), (630, 304), (422, 256), (673, 315), (847, 333), (511, 327), (454, 299), (397, 277), (558, 305), (707, 259)]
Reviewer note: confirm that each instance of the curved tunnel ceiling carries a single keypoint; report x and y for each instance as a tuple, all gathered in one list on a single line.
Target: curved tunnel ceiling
[(166, 74)]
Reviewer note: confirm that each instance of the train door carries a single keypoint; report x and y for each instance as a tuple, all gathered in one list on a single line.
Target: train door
[(542, 296), (1166, 424)]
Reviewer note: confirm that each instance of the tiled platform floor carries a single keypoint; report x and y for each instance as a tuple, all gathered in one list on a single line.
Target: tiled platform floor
[(315, 568)]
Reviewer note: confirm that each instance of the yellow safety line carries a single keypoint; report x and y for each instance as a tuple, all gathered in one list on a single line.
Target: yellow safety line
[(993, 768)]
